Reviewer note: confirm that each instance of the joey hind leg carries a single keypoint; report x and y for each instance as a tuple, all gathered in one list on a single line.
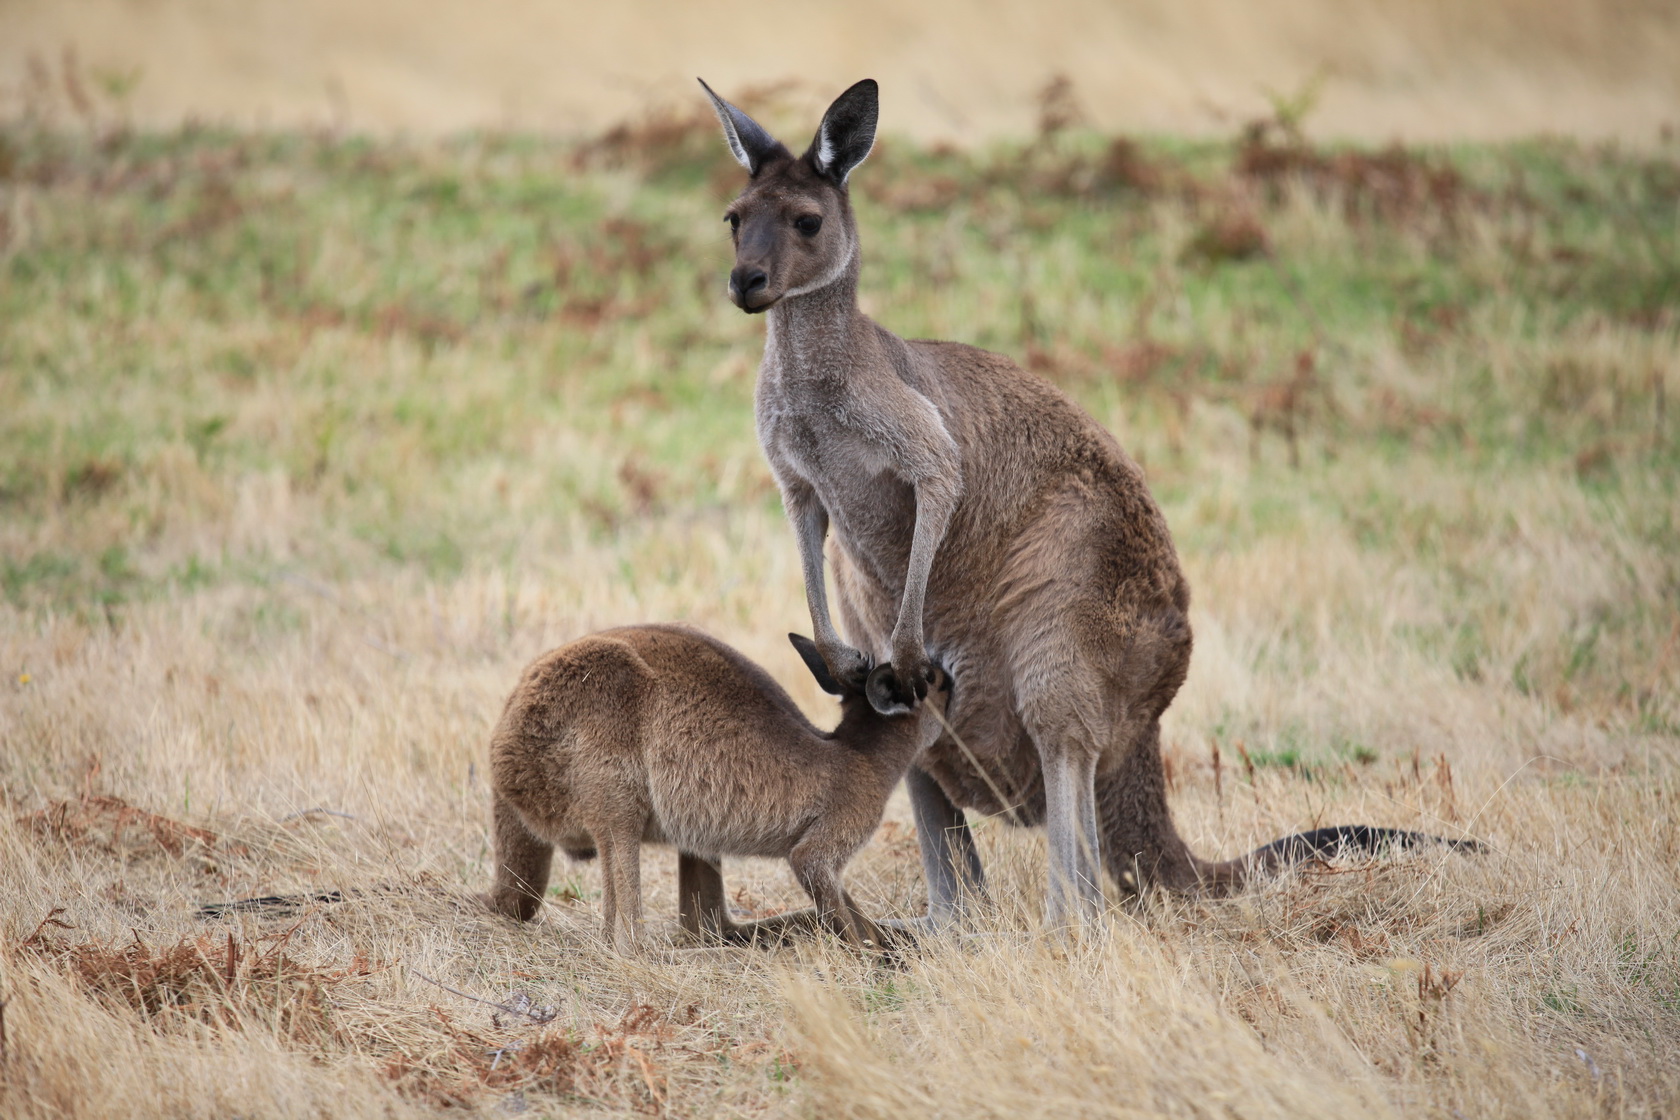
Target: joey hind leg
[(703, 909), (621, 881), (818, 873), (522, 865)]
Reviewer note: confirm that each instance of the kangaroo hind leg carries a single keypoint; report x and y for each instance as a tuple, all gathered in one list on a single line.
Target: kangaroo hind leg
[(819, 873), (522, 865), (1068, 723), (950, 860), (703, 909)]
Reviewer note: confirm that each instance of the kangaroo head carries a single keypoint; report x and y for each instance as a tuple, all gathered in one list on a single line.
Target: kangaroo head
[(792, 225), (880, 691)]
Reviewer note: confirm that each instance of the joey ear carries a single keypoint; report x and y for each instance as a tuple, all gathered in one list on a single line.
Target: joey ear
[(748, 141), (814, 662), (881, 690), (847, 132)]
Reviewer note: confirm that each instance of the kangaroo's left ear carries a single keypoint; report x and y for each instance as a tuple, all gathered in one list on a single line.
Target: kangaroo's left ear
[(847, 132), (814, 662)]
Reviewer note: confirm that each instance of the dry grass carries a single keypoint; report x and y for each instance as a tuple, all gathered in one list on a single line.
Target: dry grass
[(306, 446), (1421, 70), (1407, 986)]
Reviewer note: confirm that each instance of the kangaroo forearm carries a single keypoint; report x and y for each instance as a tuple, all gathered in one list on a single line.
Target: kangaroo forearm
[(811, 528), (934, 506), (816, 601)]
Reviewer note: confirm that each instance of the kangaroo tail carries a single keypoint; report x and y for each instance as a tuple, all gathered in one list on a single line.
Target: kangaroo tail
[(1221, 879), (1322, 843), (275, 905)]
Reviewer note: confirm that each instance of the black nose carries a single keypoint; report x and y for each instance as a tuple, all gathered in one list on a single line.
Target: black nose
[(746, 281)]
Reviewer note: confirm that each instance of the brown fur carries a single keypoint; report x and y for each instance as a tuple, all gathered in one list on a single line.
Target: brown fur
[(979, 517), (662, 734)]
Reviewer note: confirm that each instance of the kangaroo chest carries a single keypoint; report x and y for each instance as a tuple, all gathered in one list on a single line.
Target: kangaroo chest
[(832, 450)]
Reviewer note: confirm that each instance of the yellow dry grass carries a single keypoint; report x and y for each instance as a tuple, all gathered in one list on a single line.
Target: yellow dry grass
[(1537, 980)]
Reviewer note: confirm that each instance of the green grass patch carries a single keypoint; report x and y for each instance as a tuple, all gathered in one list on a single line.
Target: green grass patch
[(442, 350)]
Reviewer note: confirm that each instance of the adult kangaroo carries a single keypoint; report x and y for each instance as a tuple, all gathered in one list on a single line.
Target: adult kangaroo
[(981, 518)]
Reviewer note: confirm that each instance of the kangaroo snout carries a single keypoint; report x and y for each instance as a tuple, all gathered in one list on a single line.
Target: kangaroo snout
[(749, 288)]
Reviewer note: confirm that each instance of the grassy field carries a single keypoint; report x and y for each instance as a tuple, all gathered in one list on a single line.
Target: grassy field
[(309, 442)]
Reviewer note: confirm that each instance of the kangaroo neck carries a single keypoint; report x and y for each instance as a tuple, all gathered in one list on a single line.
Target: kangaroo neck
[(890, 744), (814, 335)]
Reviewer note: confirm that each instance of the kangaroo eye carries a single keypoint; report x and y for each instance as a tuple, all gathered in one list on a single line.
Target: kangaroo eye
[(808, 225), (734, 221)]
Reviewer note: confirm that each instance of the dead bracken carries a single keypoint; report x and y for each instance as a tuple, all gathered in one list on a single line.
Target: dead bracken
[(110, 824), (222, 981)]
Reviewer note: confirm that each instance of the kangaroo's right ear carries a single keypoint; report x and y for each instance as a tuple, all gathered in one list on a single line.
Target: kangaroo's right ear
[(814, 662), (747, 139)]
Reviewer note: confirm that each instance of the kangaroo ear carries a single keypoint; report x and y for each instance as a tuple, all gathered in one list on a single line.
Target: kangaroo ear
[(747, 139), (814, 662), (882, 691), (847, 132)]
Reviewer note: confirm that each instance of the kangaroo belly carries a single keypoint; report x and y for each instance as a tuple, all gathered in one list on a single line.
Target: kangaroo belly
[(953, 618), (724, 806), (874, 520), (692, 828)]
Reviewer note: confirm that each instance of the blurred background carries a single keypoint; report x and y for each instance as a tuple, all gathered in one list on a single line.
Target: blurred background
[(1419, 70)]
